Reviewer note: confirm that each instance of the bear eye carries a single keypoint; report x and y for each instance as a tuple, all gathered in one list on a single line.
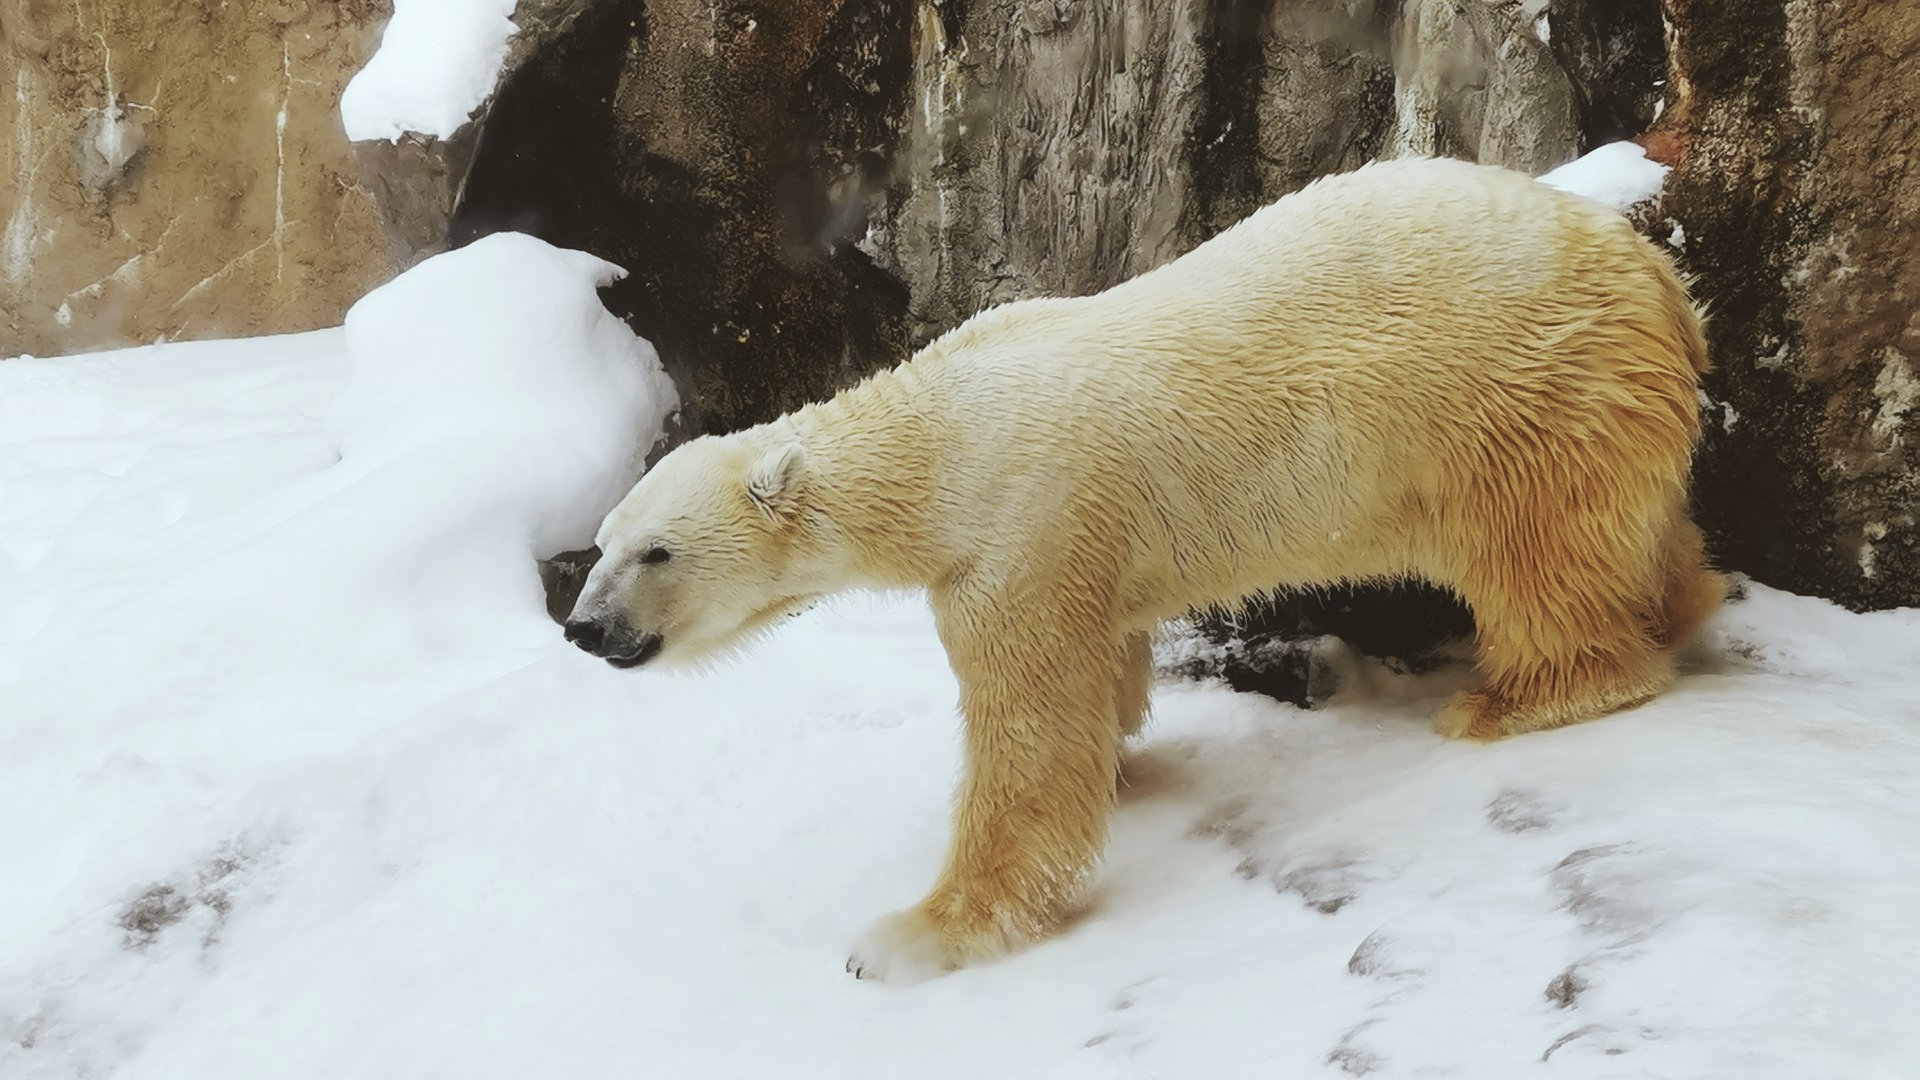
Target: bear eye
[(655, 555)]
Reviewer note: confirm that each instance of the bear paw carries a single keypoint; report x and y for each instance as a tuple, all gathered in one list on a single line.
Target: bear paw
[(1474, 715), (905, 947)]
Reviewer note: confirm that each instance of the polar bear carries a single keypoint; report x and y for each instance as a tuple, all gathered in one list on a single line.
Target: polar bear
[(1420, 369)]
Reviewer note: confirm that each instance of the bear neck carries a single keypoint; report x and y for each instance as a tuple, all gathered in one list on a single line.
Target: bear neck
[(870, 466)]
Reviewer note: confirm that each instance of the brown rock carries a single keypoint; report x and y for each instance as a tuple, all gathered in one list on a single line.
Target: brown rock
[(1059, 148), (1480, 81), (148, 185), (1794, 132)]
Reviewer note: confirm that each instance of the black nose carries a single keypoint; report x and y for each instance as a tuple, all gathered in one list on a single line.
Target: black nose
[(619, 646), (587, 635)]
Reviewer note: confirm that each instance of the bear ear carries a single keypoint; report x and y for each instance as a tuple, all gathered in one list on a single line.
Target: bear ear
[(773, 480)]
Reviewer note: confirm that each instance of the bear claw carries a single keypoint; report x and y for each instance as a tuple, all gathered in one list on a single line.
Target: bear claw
[(904, 947)]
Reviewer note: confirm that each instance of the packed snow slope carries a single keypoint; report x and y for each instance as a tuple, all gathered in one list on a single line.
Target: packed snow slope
[(296, 780)]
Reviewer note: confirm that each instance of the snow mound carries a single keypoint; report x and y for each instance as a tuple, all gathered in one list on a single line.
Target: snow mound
[(1618, 174), (437, 61), (534, 403)]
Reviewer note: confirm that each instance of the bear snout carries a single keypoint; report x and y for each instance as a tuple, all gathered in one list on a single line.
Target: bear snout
[(619, 646)]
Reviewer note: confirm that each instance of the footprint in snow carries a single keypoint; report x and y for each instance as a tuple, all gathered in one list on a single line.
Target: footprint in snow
[(1519, 810), (1325, 882), (1124, 1037)]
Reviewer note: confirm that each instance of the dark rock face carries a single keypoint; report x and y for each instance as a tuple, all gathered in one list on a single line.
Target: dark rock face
[(724, 157), (1407, 623), (1615, 55), (417, 182), (1060, 148), (1479, 81), (1528, 84), (414, 183), (1793, 129), (1276, 647), (564, 577)]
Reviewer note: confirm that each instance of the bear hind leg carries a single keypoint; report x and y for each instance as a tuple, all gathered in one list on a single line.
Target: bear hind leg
[(1555, 656), (1584, 690), (1692, 592)]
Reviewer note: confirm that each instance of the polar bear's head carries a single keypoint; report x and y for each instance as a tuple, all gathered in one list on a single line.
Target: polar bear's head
[(713, 544)]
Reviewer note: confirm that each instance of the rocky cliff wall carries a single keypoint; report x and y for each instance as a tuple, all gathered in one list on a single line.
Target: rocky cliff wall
[(1794, 132), (178, 170)]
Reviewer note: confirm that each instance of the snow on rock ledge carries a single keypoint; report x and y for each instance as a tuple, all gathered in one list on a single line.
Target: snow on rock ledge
[(1617, 174), (436, 64), (531, 400)]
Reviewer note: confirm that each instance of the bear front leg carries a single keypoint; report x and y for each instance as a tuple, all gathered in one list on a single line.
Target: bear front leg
[(1039, 702)]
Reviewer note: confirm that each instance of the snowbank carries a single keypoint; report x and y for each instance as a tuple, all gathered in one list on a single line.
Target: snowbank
[(296, 781), (1618, 174), (437, 61), (493, 376)]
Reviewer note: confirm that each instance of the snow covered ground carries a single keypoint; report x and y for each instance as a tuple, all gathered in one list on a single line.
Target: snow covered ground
[(296, 780)]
